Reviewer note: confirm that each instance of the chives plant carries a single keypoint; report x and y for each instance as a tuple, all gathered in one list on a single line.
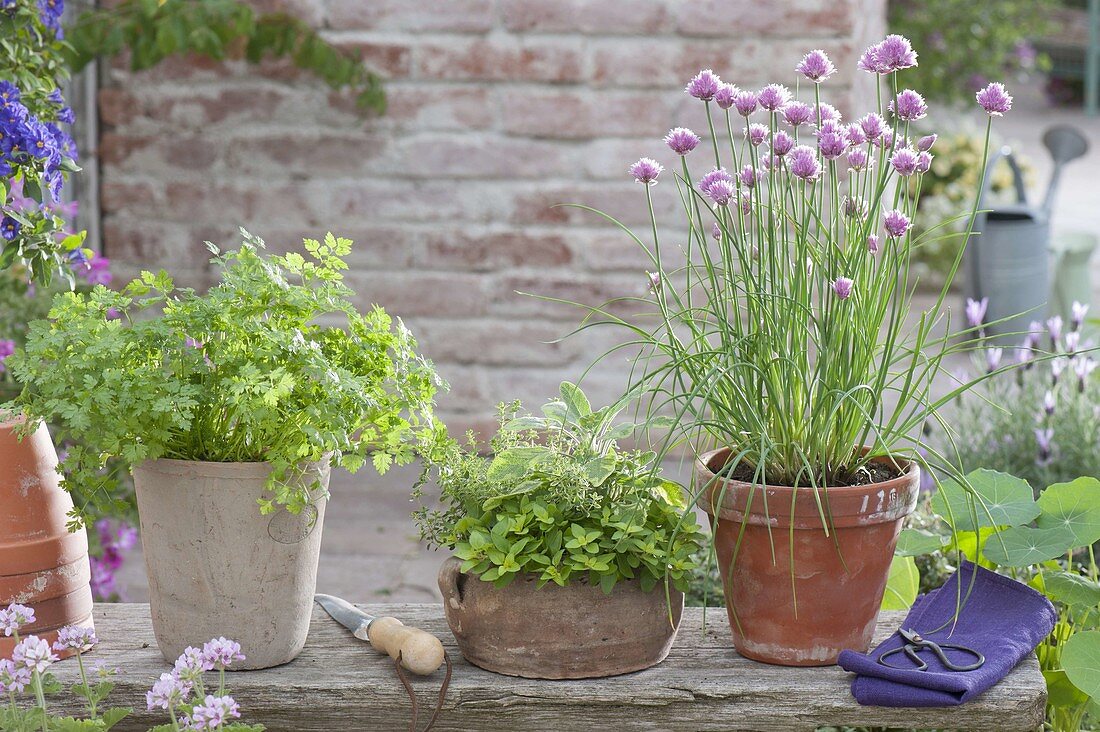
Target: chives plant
[(781, 326)]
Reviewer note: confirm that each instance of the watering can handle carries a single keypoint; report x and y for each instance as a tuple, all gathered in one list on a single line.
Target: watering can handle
[(1017, 176)]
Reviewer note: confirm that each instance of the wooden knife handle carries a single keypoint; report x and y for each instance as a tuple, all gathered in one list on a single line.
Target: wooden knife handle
[(420, 651)]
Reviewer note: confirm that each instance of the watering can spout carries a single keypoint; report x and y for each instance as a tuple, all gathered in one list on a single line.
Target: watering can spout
[(1065, 144)]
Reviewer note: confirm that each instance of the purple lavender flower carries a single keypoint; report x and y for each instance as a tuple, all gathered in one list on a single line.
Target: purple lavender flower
[(725, 94), (721, 191), (842, 287), (1025, 357), (1049, 403), (168, 692), (774, 96), (994, 99), (75, 637), (646, 171), (909, 106), (904, 161), (924, 162), (704, 85), (872, 243), (855, 134), (832, 145), (925, 143), (1035, 332), (993, 359), (798, 113), (15, 616), (33, 653), (756, 133), (681, 140), (222, 652), (13, 679), (804, 163), (1057, 366), (1054, 327), (857, 158), (1044, 437), (975, 311), (1084, 367), (713, 176), (873, 126), (896, 223), (1078, 311), (1073, 340), (782, 143), (894, 53), (213, 713), (745, 101), (816, 66)]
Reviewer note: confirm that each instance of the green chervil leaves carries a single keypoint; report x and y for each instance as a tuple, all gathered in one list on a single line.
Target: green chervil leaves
[(241, 373)]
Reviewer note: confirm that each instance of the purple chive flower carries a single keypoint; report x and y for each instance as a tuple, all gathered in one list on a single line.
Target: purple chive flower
[(832, 145), (704, 85), (756, 133), (168, 692), (872, 243), (745, 101), (721, 192), (654, 282), (1078, 311), (9, 228), (798, 113), (716, 231), (842, 287), (993, 359), (1049, 403), (712, 177), (816, 66), (975, 311), (13, 679), (896, 223), (33, 653), (855, 207), (646, 171), (748, 176), (994, 99), (782, 143), (828, 113), (857, 158), (894, 53), (873, 126), (222, 652), (804, 163), (904, 161), (1054, 327), (868, 60), (855, 134), (909, 106), (1044, 437), (15, 616), (924, 162), (213, 713), (925, 143), (774, 96), (75, 638), (725, 94), (681, 140)]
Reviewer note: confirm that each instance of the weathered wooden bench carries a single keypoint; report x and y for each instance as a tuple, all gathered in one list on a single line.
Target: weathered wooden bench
[(339, 683)]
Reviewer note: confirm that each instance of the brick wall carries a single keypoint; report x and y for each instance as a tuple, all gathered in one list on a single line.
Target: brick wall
[(498, 109)]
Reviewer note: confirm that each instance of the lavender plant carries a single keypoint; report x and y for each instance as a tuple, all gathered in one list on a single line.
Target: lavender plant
[(781, 320)]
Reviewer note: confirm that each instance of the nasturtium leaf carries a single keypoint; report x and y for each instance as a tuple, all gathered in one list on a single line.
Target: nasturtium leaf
[(903, 584), (1060, 690), (1022, 546), (1081, 661), (1008, 501), (1075, 506), (576, 403), (1072, 589), (916, 542)]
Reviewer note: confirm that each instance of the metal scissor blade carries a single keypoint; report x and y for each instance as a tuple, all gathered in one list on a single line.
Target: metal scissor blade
[(346, 614)]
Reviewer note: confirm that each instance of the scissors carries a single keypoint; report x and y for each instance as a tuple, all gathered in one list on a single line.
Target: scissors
[(914, 643)]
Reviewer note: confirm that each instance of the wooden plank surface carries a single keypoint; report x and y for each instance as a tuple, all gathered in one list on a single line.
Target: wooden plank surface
[(339, 683)]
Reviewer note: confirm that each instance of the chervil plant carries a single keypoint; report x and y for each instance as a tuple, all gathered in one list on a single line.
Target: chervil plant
[(559, 501), (242, 373)]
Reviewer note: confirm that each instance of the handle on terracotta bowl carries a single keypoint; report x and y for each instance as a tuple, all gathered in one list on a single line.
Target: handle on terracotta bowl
[(452, 582)]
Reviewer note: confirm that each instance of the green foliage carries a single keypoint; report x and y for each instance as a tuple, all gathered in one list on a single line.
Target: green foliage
[(559, 501), (903, 584), (965, 44), (242, 373), (37, 718), (1005, 501), (153, 30)]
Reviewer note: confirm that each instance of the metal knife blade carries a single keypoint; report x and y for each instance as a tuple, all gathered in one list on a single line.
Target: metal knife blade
[(347, 615)]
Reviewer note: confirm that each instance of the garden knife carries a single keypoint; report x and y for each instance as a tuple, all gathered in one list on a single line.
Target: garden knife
[(419, 651)]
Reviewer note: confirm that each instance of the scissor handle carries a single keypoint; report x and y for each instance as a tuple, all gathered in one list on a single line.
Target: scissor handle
[(911, 649), (937, 648)]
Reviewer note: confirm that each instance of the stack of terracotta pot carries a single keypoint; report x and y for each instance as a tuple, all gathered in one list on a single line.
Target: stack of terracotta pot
[(42, 564)]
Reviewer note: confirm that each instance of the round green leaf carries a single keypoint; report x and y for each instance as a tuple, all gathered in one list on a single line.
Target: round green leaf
[(1081, 661), (1072, 589), (1008, 501), (1075, 506), (915, 542), (1022, 546), (902, 587)]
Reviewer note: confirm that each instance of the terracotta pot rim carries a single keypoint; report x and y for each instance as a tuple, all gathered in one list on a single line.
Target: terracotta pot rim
[(702, 465)]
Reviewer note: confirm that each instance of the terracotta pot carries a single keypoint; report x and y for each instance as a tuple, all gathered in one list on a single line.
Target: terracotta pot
[(571, 632), (218, 567), (805, 614), (42, 564)]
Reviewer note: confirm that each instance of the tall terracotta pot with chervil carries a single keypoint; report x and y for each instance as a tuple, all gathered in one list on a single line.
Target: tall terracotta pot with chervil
[(785, 349), (232, 407)]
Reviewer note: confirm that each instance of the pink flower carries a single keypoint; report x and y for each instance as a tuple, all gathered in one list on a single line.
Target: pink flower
[(7, 348), (804, 163), (873, 126), (857, 158), (828, 113), (798, 113), (716, 231), (14, 617), (894, 53), (33, 653), (76, 638), (774, 96), (909, 106), (725, 94), (213, 713), (896, 223), (721, 191), (975, 311), (924, 162), (855, 134), (191, 664), (712, 177), (842, 286), (816, 66), (646, 170), (832, 145), (904, 161), (747, 176), (168, 692), (782, 143), (745, 101), (704, 85), (681, 140), (872, 243), (13, 679), (98, 272), (994, 99), (756, 133), (222, 652), (925, 143)]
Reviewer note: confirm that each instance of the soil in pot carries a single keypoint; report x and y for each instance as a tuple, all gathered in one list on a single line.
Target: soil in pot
[(797, 594), (571, 632)]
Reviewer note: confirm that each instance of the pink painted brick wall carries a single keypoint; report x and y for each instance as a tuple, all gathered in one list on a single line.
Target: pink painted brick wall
[(498, 109)]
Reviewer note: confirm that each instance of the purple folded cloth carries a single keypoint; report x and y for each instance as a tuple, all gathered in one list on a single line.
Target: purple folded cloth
[(1002, 619)]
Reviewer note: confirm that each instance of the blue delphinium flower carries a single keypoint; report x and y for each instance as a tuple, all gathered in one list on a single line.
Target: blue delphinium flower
[(9, 228)]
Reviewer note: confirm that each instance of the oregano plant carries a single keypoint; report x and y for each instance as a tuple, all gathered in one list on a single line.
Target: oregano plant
[(244, 373)]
